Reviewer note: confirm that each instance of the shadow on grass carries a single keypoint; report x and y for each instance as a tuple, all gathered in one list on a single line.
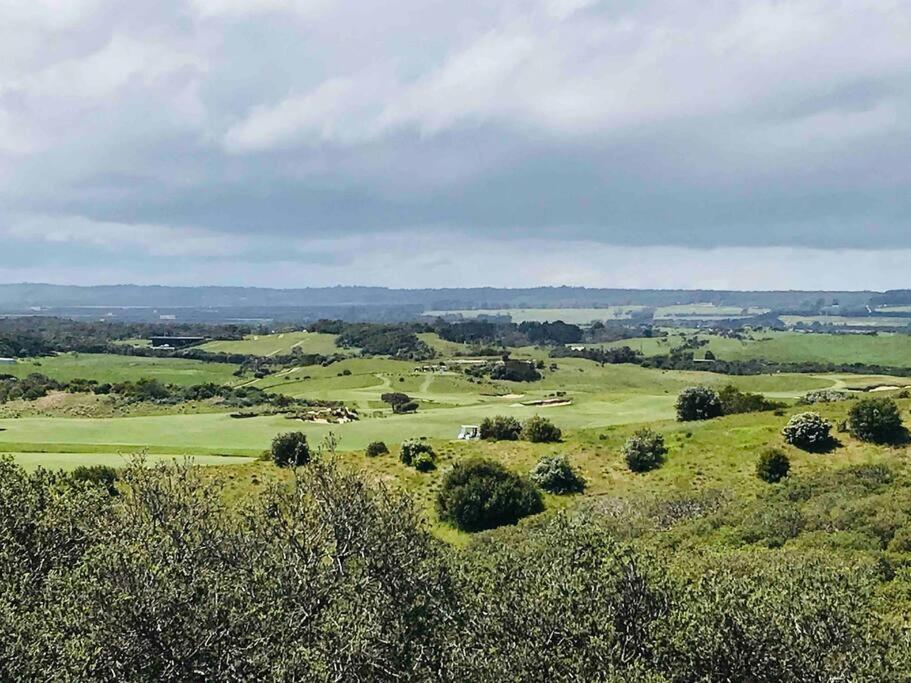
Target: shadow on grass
[(897, 439), (827, 446)]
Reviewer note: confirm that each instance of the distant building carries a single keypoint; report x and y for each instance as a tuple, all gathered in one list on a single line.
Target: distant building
[(175, 342), (7, 361)]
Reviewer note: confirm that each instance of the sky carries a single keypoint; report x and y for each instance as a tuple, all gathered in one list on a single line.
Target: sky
[(723, 144)]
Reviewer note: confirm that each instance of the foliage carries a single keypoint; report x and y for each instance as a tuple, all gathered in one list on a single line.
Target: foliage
[(410, 450), (515, 371), (875, 419), (644, 450), (734, 401), (698, 403), (824, 396), (290, 449), (500, 428), (424, 461), (96, 475), (376, 448), (401, 403), (773, 465), (539, 429), (554, 474), (807, 431), (479, 494)]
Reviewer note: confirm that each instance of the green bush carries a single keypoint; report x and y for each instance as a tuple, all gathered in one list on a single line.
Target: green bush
[(290, 449), (541, 430), (376, 448), (480, 494), (97, 475), (644, 450), (773, 465), (808, 431), (424, 461), (411, 449), (875, 419), (500, 428), (734, 401), (554, 474), (698, 403)]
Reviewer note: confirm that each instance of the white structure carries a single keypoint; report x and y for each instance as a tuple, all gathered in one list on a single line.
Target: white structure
[(7, 361), (470, 433)]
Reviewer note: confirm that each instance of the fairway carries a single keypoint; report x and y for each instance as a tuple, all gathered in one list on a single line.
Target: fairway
[(277, 344), (115, 368)]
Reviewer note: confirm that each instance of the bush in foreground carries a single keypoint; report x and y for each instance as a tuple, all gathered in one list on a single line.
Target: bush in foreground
[(479, 494), (554, 474), (808, 431), (541, 430), (500, 428), (103, 476), (875, 419), (290, 449), (698, 403), (644, 450), (376, 449), (773, 465)]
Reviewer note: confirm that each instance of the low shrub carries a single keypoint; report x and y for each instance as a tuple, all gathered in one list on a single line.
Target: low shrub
[(102, 476), (425, 461), (377, 448), (500, 428), (698, 403), (290, 449), (807, 431), (411, 449), (773, 465), (554, 474), (541, 430), (875, 419), (644, 450)]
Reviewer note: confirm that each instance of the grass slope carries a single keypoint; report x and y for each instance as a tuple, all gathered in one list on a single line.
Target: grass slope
[(115, 368), (277, 344)]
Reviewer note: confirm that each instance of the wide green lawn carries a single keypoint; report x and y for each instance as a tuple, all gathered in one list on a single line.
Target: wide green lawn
[(115, 368), (277, 344)]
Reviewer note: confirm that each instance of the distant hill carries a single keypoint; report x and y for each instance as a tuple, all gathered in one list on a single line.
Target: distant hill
[(21, 297)]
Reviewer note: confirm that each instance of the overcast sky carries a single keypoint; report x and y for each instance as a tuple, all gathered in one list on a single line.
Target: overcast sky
[(676, 143)]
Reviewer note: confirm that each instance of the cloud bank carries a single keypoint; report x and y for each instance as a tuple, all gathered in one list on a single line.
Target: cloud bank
[(296, 142)]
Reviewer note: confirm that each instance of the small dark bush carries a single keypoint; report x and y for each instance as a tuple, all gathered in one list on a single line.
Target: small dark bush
[(734, 401), (541, 430), (553, 473), (875, 419), (644, 450), (480, 494), (290, 449), (411, 449), (500, 428), (376, 448), (807, 431), (424, 461), (773, 465), (698, 403), (97, 475)]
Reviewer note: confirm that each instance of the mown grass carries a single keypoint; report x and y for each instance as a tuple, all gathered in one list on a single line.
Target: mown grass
[(277, 344), (115, 368)]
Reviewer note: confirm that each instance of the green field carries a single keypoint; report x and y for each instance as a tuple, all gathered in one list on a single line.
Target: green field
[(116, 368), (277, 344)]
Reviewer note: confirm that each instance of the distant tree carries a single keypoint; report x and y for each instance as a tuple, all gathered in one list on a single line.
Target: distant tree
[(698, 403), (400, 403), (709, 355), (500, 428), (541, 430), (734, 401), (875, 419), (554, 473), (644, 450), (773, 465), (807, 431), (290, 449), (480, 494), (376, 448)]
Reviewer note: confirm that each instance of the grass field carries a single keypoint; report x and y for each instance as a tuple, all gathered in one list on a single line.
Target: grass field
[(277, 344), (115, 368), (70, 461)]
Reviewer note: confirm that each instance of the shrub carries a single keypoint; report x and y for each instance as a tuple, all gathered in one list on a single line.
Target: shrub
[(480, 494), (376, 448), (734, 401), (773, 465), (290, 449), (411, 449), (102, 476), (807, 431), (500, 428), (644, 450), (875, 419), (424, 461), (541, 430), (698, 403), (824, 396), (400, 403), (553, 473)]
